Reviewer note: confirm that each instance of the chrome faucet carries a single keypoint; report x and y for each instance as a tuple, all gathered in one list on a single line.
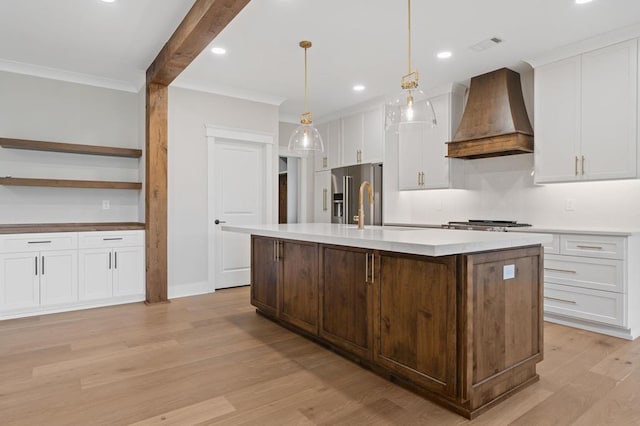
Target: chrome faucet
[(360, 217)]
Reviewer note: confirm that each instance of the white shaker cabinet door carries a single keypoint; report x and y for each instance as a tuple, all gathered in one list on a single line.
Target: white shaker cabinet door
[(19, 280), (411, 139), (435, 165), (321, 159), (557, 121), (322, 197), (128, 271), (333, 144), (609, 112), (373, 135), (95, 279), (352, 139), (58, 277)]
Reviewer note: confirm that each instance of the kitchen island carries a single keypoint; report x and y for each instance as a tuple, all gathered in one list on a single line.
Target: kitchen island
[(453, 315)]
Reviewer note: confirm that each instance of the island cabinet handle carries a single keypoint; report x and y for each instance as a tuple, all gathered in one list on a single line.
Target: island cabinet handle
[(280, 250), (275, 254), (561, 270), (573, 302), (373, 269), (366, 268), (590, 247)]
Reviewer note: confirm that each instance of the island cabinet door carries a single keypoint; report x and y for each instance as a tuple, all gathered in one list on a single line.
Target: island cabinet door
[(415, 319), (299, 284), (264, 274), (345, 298)]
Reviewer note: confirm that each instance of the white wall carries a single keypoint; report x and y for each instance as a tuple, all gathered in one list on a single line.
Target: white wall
[(50, 110), (502, 188), (189, 112)]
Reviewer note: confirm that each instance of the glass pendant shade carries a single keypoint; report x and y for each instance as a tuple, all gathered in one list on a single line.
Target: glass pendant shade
[(304, 139), (410, 106)]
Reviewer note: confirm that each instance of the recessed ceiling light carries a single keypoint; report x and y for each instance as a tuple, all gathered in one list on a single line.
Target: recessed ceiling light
[(444, 55), (108, 1), (219, 50), (359, 87), (583, 1)]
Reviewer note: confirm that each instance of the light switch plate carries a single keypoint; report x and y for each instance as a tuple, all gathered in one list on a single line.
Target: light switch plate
[(508, 272)]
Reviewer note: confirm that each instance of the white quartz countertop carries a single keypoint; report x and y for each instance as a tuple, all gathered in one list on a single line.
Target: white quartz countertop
[(551, 229), (427, 242)]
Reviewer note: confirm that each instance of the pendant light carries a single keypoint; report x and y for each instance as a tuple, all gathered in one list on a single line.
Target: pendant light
[(305, 138), (410, 106)]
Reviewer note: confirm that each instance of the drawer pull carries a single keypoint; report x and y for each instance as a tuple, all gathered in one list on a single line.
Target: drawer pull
[(112, 239), (561, 300), (39, 242), (590, 247), (560, 270)]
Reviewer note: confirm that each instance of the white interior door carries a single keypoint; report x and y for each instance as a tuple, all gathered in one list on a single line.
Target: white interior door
[(239, 188)]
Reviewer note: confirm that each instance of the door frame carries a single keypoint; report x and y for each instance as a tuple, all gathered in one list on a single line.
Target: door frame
[(303, 181), (217, 134)]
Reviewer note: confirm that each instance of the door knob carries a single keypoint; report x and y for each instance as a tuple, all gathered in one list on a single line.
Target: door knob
[(218, 222)]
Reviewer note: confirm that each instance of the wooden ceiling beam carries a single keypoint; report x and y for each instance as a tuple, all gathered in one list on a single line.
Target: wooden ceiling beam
[(205, 20)]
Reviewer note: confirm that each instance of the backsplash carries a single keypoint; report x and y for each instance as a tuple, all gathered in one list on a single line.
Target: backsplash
[(503, 188)]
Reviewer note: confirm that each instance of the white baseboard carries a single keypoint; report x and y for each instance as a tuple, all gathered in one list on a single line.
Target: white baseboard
[(77, 306), (189, 289), (622, 333)]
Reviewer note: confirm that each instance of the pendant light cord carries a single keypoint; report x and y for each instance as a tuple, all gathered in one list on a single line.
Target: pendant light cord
[(409, 27), (305, 80)]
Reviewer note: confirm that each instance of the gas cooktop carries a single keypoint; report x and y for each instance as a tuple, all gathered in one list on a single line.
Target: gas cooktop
[(485, 225)]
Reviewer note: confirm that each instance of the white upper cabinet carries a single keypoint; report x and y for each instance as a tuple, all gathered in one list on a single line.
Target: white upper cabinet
[(352, 137), (373, 135), (331, 137), (586, 116), (363, 137), (422, 149)]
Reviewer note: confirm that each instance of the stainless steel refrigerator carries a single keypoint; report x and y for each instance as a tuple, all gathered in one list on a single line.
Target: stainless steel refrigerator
[(345, 187)]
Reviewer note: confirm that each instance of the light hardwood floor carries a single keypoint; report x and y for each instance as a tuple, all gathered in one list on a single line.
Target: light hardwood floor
[(211, 359)]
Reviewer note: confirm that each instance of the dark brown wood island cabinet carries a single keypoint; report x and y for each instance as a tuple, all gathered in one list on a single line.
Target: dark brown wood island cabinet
[(464, 330)]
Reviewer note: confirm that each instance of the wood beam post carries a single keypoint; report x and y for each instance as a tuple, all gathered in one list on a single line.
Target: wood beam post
[(205, 20)]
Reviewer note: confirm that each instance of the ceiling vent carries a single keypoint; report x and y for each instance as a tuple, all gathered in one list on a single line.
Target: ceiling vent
[(486, 44)]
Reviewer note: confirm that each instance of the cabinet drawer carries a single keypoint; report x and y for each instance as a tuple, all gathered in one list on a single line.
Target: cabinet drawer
[(592, 305), (602, 246), (552, 247), (111, 239), (17, 243), (598, 274)]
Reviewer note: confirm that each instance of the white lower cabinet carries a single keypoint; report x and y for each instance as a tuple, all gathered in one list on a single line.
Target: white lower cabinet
[(111, 264), (592, 283), (37, 270), (43, 273)]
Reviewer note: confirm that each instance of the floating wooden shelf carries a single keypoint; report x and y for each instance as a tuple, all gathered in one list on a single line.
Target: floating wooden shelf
[(28, 228), (70, 148), (69, 183)]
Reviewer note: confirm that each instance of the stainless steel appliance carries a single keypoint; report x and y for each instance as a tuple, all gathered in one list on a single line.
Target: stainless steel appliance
[(485, 225), (345, 184)]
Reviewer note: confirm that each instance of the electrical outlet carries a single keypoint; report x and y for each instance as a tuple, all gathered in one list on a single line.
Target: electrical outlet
[(106, 204), (508, 272), (570, 204)]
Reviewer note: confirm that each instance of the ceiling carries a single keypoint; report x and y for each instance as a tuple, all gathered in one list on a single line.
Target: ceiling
[(354, 41)]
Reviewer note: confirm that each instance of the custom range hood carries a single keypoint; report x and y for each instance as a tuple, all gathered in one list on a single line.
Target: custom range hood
[(495, 121)]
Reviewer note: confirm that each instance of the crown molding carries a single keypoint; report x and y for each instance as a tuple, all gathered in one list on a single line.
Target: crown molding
[(68, 76), (231, 92), (583, 46)]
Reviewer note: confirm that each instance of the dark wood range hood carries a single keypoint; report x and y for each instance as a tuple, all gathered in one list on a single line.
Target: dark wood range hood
[(495, 121)]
